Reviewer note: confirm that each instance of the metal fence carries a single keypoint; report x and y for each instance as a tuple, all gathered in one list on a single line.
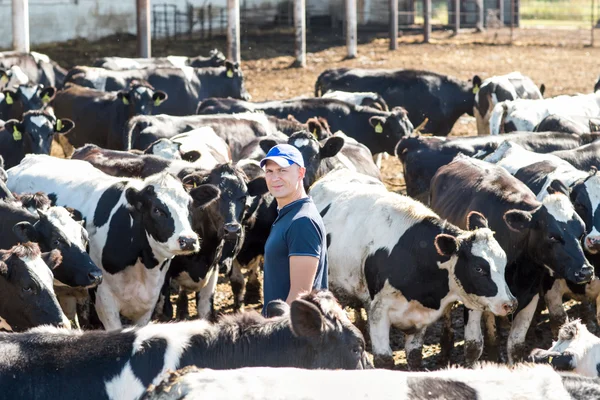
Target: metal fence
[(539, 22)]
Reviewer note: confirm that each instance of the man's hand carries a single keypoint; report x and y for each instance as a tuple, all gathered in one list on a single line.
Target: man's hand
[(302, 275)]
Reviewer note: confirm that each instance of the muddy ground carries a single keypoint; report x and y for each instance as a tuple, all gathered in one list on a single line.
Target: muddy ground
[(564, 64)]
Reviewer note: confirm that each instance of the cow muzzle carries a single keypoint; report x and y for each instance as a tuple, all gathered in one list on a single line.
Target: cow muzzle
[(506, 307), (232, 231), (584, 275), (592, 244), (188, 243)]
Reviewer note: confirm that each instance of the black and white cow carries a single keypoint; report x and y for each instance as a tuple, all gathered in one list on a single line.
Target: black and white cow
[(569, 124), (407, 266), (583, 157), (135, 227), (370, 99), (33, 134), (39, 68), (12, 77), (47, 363), (185, 86), (424, 94), (376, 129), (24, 98), (28, 298), (500, 88), (214, 59), (101, 117), (536, 236)]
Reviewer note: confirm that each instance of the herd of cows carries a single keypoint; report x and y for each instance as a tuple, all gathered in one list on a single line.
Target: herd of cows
[(159, 190)]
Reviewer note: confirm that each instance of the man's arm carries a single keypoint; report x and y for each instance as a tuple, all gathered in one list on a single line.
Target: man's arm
[(302, 275)]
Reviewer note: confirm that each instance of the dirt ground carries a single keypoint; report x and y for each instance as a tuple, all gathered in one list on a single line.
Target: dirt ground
[(564, 69)]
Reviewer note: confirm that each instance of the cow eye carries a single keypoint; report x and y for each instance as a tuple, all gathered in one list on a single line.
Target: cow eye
[(479, 270), (27, 289), (56, 242), (157, 211)]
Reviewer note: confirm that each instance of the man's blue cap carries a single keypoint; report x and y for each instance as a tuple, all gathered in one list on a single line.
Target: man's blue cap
[(284, 155)]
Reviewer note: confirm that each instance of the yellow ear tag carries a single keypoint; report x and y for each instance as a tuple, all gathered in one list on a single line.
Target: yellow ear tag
[(125, 101), (59, 125), (378, 128), (229, 73), (475, 89), (157, 102), (46, 98), (550, 360), (4, 79), (9, 99), (195, 185), (16, 134)]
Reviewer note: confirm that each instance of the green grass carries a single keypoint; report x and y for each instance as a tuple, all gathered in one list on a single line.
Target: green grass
[(567, 11)]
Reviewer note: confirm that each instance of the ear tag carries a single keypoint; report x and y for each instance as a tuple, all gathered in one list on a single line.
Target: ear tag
[(378, 128), (9, 99), (550, 360), (46, 98), (59, 125), (4, 79), (195, 185), (475, 89), (157, 102), (125, 101), (16, 134), (314, 133), (229, 73)]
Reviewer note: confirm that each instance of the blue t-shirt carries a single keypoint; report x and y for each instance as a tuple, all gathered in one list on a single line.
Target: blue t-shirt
[(297, 231)]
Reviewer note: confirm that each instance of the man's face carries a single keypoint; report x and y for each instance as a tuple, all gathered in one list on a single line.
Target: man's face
[(283, 182)]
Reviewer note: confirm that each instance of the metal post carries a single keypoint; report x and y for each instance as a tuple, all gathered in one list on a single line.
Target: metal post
[(512, 19), (300, 29), (20, 25), (393, 24), (457, 16), (501, 11), (426, 20), (351, 28), (480, 22), (233, 30), (143, 28)]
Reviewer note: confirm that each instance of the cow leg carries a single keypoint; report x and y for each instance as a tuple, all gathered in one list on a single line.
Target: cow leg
[(491, 336), (69, 307), (108, 309), (253, 286), (447, 339), (379, 331), (554, 302), (238, 285), (414, 349), (205, 297), (473, 337), (516, 339), (182, 305)]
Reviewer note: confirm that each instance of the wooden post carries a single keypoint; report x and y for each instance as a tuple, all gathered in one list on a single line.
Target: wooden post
[(593, 24), (393, 24), (143, 28), (233, 30), (501, 11), (457, 16), (300, 29), (512, 19), (20, 25), (426, 20), (351, 28), (480, 22)]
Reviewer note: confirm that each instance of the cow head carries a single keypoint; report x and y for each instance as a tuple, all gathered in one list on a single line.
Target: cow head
[(585, 196), (36, 130), (26, 281), (215, 59), (30, 97), (14, 76), (318, 127), (477, 264), (166, 148), (57, 230), (163, 207), (553, 233), (235, 81), (141, 98), (389, 128), (312, 152), (333, 341)]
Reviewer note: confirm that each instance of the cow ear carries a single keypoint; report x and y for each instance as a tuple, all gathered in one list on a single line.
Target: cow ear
[(192, 181), (476, 220), (124, 97), (267, 144), (277, 308), (306, 320), (517, 220), (314, 128), (52, 258), (446, 245), (476, 83), (158, 97), (133, 197), (557, 186), (332, 146), (47, 94), (377, 123), (4, 76), (191, 156), (25, 232), (594, 125), (204, 194), (75, 214), (63, 125), (257, 186), (14, 128), (542, 89), (229, 69)]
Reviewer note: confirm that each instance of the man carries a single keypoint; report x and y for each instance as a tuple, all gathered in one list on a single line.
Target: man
[(296, 250)]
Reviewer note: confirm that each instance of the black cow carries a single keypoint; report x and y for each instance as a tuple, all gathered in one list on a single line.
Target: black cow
[(28, 298), (424, 94), (39, 68), (315, 333), (185, 86), (535, 235), (25, 98), (376, 129), (568, 124), (101, 117), (33, 134), (214, 59), (584, 157)]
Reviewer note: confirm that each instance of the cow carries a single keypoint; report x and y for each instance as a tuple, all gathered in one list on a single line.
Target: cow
[(568, 124), (488, 381), (401, 245), (370, 99), (135, 227), (214, 59), (576, 350), (25, 98), (12, 77), (101, 117), (525, 114), (39, 68), (583, 157), (314, 333), (28, 298), (439, 98), (378, 130), (536, 235), (33, 134), (185, 86), (493, 90)]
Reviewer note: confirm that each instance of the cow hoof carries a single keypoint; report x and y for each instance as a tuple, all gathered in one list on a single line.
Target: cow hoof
[(383, 361), (414, 360), (473, 350)]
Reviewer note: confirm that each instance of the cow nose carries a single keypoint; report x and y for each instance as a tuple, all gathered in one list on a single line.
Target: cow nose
[(510, 306), (592, 242), (188, 243), (95, 277), (585, 275), (232, 230)]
